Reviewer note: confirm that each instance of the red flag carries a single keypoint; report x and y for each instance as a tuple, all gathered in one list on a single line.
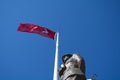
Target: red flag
[(32, 28)]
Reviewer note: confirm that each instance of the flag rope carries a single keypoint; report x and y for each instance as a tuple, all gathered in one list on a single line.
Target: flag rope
[(55, 75)]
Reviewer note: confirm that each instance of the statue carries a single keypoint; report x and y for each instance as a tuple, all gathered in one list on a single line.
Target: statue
[(73, 67)]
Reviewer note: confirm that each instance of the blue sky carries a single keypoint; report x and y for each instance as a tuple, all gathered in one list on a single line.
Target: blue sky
[(88, 27)]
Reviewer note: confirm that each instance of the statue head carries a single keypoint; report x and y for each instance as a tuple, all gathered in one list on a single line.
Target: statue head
[(66, 57)]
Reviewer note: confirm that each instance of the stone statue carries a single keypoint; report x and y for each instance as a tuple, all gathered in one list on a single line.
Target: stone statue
[(73, 67)]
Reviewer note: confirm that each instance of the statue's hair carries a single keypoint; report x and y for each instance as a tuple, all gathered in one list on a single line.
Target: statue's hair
[(63, 57)]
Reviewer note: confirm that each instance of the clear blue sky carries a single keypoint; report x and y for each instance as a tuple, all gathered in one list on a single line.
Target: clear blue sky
[(88, 27)]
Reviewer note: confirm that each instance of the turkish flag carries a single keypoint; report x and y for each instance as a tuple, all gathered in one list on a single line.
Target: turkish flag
[(32, 28)]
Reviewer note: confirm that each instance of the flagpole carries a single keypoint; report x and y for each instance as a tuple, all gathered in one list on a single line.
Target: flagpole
[(55, 76)]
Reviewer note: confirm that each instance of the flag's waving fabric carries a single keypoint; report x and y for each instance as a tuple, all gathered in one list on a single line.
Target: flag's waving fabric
[(32, 28)]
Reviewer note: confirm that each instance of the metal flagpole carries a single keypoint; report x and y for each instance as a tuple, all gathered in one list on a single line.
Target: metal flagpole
[(55, 76)]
